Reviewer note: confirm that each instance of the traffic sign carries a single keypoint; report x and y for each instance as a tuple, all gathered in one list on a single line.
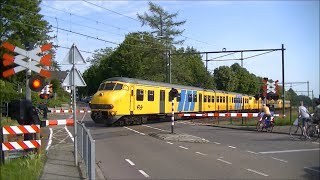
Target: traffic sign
[(74, 56), (78, 80), (23, 54)]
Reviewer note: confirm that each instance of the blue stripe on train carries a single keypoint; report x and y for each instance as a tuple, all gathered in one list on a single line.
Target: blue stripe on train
[(187, 103), (194, 93), (182, 100)]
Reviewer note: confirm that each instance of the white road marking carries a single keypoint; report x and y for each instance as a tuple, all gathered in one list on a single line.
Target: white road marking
[(169, 142), (260, 173), (279, 159), (201, 153), (315, 142), (183, 147), (286, 151), (216, 143), (224, 161), (65, 127), (134, 130), (252, 152), (50, 139), (143, 173), (312, 169), (155, 128), (232, 147), (130, 162)]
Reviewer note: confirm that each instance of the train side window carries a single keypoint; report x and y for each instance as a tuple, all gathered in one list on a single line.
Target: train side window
[(224, 99), (179, 97), (232, 100), (221, 99), (150, 95), (139, 94), (189, 97), (209, 98), (205, 98), (213, 99), (195, 98)]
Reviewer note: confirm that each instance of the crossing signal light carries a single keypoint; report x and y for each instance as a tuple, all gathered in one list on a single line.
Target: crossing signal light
[(36, 83)]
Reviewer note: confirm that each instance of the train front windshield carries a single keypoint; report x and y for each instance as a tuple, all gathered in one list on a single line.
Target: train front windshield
[(110, 86)]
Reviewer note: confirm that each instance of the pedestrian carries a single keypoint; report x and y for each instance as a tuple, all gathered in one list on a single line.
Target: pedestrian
[(304, 116)]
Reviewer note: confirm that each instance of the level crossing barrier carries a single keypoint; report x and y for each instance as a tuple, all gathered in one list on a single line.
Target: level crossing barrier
[(52, 111)]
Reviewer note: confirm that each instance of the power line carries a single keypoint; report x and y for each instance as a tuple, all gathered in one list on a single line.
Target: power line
[(111, 11)]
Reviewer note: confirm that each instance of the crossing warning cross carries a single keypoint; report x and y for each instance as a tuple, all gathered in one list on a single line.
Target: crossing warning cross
[(22, 54)]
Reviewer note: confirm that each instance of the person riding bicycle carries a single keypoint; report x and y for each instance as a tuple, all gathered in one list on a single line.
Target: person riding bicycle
[(304, 115), (316, 113), (266, 113)]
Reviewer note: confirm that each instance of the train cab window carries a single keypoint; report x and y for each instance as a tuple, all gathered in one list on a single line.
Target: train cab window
[(209, 98), (150, 95), (205, 98), (118, 86), (179, 97), (139, 94), (107, 86), (195, 98), (190, 97)]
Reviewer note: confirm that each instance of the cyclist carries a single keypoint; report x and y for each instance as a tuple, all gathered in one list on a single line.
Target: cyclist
[(266, 114), (316, 114), (304, 115)]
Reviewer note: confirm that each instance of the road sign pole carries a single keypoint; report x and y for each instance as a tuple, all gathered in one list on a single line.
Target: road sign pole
[(74, 106)]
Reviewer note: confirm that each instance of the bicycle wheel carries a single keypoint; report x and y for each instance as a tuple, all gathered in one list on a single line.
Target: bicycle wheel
[(313, 132), (259, 126), (270, 128), (295, 132)]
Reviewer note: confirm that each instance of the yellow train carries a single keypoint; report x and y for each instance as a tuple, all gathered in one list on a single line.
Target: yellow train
[(127, 101)]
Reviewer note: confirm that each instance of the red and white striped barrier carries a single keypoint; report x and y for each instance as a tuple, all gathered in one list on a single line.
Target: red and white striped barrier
[(57, 122), (21, 129), (68, 111), (216, 114), (20, 145)]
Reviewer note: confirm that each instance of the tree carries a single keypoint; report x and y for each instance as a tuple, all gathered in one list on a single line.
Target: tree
[(225, 78), (22, 25), (163, 24)]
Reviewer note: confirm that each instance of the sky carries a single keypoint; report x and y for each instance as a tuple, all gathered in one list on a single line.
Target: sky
[(210, 26)]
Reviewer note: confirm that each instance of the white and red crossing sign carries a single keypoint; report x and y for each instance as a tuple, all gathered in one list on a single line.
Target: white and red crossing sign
[(18, 59)]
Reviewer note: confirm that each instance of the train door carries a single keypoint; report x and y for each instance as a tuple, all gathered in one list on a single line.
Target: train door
[(227, 103), (162, 101), (132, 99), (200, 102)]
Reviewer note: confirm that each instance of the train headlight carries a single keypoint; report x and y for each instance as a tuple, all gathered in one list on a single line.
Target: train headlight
[(113, 113)]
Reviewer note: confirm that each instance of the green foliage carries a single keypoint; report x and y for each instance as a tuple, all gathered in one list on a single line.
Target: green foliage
[(28, 167), (162, 23)]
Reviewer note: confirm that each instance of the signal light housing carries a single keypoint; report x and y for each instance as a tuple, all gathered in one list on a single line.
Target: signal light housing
[(36, 83)]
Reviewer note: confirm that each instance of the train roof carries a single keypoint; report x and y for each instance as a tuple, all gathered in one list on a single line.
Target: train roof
[(154, 83)]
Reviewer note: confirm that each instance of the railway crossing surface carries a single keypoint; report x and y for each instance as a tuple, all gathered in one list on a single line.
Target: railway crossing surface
[(126, 152)]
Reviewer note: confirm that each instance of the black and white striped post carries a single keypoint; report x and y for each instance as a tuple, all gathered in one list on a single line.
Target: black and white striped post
[(172, 115), (173, 93)]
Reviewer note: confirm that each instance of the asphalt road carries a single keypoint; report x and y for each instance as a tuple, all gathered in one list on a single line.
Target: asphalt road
[(131, 153)]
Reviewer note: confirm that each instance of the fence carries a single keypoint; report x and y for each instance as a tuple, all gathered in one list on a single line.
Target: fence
[(86, 149)]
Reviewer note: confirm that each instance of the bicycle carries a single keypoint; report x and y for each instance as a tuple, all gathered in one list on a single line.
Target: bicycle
[(265, 124), (313, 130), (296, 130)]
